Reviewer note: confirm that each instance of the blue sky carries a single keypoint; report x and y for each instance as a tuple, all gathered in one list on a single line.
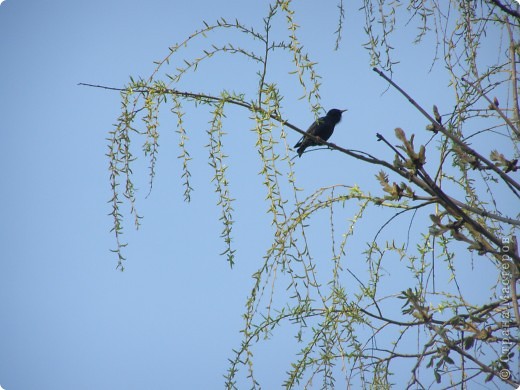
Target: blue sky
[(69, 320)]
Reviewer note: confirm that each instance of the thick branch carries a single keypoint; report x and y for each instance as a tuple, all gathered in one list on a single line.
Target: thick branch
[(512, 183), (447, 202), (507, 10)]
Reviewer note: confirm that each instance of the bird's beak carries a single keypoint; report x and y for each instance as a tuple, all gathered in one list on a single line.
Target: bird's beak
[(342, 111)]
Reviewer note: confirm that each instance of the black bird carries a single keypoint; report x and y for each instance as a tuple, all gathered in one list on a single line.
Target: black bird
[(323, 128)]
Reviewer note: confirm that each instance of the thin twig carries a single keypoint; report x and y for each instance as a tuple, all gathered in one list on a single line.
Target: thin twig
[(493, 106), (514, 80)]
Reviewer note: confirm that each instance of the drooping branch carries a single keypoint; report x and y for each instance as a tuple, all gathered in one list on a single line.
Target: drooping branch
[(423, 181), (254, 108)]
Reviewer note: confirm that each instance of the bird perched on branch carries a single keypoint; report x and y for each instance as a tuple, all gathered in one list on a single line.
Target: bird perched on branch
[(322, 128)]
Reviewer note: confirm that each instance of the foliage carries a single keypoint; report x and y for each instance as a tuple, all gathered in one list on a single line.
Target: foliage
[(348, 328)]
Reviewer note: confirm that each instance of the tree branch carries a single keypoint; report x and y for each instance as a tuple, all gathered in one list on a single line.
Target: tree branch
[(507, 10), (512, 183), (494, 106), (514, 79)]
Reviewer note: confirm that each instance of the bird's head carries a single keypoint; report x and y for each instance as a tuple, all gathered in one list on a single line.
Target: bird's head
[(335, 114)]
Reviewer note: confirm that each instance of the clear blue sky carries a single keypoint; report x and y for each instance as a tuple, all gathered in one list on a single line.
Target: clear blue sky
[(68, 319)]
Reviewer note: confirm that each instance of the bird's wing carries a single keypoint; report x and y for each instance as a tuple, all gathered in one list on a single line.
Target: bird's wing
[(311, 130)]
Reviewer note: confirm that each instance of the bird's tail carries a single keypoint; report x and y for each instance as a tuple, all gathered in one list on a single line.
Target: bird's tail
[(301, 147)]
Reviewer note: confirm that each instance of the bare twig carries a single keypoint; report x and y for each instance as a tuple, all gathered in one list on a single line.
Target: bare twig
[(514, 80), (494, 106)]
